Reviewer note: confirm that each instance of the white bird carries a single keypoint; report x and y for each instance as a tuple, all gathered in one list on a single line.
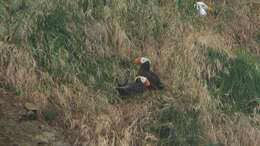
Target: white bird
[(202, 8)]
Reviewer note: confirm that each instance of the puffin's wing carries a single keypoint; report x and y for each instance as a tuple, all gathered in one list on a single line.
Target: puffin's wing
[(155, 80), (131, 89), (126, 90), (138, 88), (123, 91)]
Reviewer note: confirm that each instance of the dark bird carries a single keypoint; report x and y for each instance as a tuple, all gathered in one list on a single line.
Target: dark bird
[(132, 89), (146, 72)]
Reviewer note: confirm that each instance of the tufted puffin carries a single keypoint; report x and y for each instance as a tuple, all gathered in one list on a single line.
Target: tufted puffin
[(146, 72), (132, 89)]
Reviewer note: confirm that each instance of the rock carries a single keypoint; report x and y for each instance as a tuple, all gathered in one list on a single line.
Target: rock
[(50, 113), (164, 131), (29, 115), (31, 106), (45, 138)]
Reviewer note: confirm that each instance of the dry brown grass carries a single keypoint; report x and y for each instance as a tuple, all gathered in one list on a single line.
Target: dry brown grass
[(88, 113), (182, 63), (116, 125), (185, 65), (237, 131), (178, 58)]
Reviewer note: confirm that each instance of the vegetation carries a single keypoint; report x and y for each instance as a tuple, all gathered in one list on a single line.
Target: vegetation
[(172, 130), (65, 56), (237, 81)]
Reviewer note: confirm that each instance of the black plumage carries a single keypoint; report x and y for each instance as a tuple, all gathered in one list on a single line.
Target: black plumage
[(134, 88), (146, 72)]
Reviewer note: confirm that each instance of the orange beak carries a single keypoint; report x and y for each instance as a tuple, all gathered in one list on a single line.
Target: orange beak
[(137, 60), (147, 83)]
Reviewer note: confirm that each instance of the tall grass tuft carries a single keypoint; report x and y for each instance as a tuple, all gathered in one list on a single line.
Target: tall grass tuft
[(237, 82), (66, 55), (174, 127)]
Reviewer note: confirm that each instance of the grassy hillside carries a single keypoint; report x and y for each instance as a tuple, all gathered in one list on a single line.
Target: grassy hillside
[(65, 56)]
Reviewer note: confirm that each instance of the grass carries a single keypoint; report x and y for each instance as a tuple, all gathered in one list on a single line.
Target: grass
[(9, 88), (142, 20), (171, 129), (237, 82), (258, 36), (57, 45), (69, 54)]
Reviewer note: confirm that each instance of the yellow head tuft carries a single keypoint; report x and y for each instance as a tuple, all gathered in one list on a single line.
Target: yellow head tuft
[(210, 8)]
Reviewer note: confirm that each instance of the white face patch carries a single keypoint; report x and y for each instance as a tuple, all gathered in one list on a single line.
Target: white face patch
[(143, 79), (202, 8), (143, 60)]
